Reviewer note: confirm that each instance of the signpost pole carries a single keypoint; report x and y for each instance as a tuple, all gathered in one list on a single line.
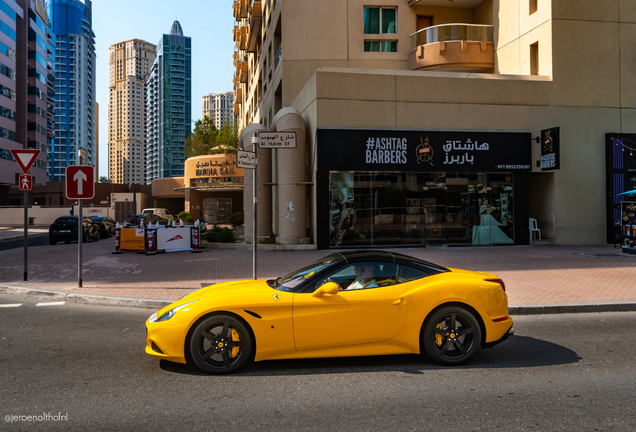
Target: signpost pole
[(26, 234), (254, 186), (80, 238)]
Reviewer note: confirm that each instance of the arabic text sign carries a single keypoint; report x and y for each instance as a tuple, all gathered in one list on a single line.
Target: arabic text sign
[(269, 140), (245, 159)]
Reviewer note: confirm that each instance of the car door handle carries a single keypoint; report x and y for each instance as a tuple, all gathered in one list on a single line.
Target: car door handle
[(398, 302)]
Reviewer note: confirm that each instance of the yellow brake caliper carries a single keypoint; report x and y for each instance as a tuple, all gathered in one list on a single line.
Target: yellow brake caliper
[(235, 337), (438, 337)]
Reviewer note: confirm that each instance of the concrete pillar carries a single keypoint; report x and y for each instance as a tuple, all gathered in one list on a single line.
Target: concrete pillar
[(264, 175), (292, 187)]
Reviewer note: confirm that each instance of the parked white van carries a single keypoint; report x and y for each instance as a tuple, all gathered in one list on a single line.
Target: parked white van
[(164, 213)]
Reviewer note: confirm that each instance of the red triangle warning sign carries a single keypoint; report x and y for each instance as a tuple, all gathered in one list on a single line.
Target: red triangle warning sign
[(25, 158)]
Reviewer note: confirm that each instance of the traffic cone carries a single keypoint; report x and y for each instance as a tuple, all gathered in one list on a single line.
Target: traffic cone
[(117, 237), (195, 240)]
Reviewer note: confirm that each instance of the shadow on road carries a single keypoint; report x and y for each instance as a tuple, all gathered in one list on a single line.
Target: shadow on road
[(516, 352)]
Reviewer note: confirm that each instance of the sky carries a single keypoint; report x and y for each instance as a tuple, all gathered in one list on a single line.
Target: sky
[(208, 22)]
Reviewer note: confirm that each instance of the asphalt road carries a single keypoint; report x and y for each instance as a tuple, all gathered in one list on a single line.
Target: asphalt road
[(559, 372), (38, 240)]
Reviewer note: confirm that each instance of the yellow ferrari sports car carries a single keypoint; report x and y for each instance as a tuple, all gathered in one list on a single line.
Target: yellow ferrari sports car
[(356, 303)]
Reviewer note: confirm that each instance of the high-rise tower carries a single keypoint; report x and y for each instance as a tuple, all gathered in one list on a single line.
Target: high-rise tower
[(169, 105), (130, 64), (75, 119), (218, 107)]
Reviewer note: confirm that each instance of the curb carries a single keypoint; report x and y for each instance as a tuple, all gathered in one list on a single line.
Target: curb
[(155, 303), (87, 299)]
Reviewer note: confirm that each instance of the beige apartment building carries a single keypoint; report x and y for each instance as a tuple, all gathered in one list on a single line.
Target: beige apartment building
[(130, 63), (438, 122), (218, 107)]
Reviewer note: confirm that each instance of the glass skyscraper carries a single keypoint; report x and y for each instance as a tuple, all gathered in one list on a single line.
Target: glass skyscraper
[(75, 111), (169, 105)]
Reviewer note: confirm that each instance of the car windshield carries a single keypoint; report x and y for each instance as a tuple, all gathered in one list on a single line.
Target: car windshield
[(291, 281), (96, 218)]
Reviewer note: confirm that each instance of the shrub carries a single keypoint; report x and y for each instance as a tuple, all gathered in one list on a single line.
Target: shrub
[(225, 235), (208, 236), (185, 216), (237, 219)]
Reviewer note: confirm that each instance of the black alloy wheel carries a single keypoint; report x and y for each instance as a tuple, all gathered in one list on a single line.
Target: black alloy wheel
[(451, 336), (220, 344)]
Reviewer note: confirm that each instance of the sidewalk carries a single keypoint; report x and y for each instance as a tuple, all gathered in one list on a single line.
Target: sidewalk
[(538, 279), (15, 233)]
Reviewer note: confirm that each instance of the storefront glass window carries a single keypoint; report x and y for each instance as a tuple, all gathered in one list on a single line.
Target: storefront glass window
[(375, 209)]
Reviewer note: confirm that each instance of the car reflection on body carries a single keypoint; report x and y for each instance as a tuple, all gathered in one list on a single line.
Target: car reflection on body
[(65, 229), (106, 225), (147, 219), (356, 303)]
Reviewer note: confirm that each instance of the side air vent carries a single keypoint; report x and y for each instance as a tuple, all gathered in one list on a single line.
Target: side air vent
[(254, 314), (155, 348)]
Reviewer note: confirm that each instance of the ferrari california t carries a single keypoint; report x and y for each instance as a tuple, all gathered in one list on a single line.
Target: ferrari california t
[(356, 303)]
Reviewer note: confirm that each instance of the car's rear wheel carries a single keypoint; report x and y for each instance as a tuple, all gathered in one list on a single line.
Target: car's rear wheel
[(220, 344), (451, 336)]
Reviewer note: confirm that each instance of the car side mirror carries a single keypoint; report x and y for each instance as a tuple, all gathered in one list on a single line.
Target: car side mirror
[(330, 288)]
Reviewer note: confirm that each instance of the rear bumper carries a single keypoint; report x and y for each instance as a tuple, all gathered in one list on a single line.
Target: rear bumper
[(505, 336)]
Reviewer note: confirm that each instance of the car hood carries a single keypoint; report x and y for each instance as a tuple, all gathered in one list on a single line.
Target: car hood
[(232, 290)]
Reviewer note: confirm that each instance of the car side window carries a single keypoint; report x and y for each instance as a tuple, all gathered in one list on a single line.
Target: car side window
[(362, 275), (408, 274)]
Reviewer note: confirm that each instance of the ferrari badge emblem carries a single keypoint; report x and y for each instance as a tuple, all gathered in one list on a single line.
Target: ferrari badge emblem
[(276, 297)]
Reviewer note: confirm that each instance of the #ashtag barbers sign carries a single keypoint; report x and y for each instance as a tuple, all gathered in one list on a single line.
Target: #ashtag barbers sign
[(422, 151), (550, 159)]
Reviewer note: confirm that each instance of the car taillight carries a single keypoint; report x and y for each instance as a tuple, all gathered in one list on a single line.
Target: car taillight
[(499, 281)]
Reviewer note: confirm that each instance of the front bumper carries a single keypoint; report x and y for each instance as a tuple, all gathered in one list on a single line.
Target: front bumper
[(166, 340)]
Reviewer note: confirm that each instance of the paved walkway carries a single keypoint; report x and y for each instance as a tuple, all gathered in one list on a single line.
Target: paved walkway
[(534, 275)]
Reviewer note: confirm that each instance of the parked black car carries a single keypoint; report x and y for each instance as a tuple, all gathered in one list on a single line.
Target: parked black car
[(147, 218), (65, 229), (106, 225)]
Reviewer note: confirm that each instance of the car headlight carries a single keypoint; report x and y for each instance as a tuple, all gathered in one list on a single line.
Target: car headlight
[(167, 315)]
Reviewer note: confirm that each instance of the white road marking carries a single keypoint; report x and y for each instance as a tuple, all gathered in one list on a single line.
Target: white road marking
[(51, 303), (10, 305)]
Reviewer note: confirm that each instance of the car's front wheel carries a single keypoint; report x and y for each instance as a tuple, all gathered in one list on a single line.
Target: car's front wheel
[(220, 344), (451, 336)]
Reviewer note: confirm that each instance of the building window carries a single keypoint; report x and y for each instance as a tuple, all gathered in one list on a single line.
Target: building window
[(380, 20), (534, 59), (380, 46), (533, 6)]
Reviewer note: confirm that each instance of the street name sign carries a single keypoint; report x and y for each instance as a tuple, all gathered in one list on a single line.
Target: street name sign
[(25, 158), (80, 182), (274, 140), (246, 160), (26, 182)]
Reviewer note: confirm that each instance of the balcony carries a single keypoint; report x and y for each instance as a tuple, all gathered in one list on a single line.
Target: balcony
[(453, 48), (240, 37), (239, 95), (256, 16), (239, 9), (242, 71)]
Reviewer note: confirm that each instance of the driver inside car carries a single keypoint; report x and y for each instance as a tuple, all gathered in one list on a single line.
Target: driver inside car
[(365, 277)]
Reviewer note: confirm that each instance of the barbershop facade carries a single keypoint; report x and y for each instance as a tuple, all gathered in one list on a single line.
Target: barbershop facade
[(392, 187)]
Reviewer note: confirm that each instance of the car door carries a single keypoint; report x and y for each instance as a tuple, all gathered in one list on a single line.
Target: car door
[(359, 316)]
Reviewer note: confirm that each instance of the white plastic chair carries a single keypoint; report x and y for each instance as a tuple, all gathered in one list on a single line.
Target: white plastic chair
[(533, 228)]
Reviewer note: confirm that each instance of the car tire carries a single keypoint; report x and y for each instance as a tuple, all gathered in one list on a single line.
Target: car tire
[(451, 336), (52, 242), (220, 344)]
